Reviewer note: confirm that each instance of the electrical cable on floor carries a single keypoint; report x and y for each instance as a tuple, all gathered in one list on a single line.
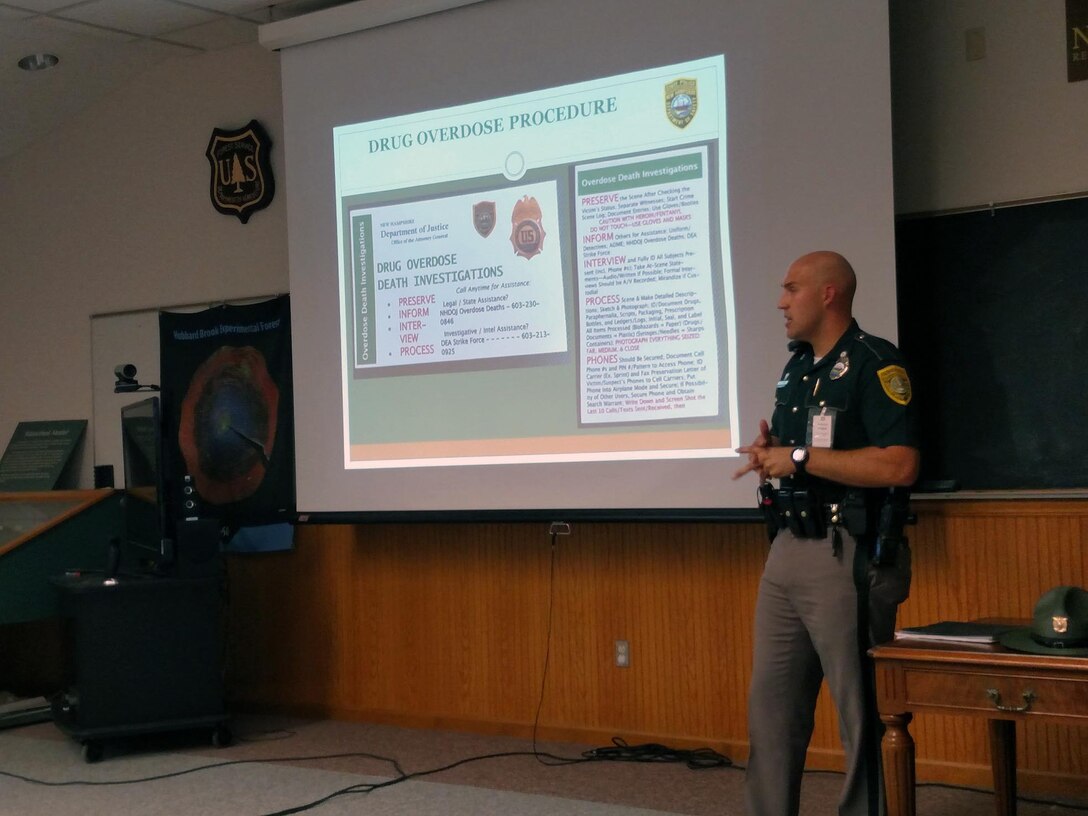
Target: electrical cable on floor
[(208, 767), (697, 758), (374, 786), (553, 532), (271, 735)]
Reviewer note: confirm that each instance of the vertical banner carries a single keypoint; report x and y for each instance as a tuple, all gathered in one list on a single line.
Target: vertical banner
[(1076, 39), (228, 412)]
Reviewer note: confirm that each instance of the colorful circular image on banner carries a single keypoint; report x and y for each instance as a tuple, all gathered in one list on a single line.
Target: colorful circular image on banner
[(228, 424)]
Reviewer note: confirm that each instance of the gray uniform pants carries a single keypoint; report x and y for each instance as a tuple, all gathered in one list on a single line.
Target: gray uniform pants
[(812, 622)]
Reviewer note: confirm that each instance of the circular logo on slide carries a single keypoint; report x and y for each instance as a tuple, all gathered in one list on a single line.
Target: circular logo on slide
[(527, 235)]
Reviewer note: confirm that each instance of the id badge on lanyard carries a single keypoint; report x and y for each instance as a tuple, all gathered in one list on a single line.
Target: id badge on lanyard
[(821, 427)]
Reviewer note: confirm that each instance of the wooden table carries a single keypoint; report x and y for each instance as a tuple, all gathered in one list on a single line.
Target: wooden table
[(986, 681)]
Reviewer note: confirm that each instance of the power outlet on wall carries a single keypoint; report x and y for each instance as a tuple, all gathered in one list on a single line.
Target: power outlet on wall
[(623, 654)]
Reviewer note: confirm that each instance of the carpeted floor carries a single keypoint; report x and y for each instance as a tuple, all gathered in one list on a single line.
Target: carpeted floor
[(264, 773)]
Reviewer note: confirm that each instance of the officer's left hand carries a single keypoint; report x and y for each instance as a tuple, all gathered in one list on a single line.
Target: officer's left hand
[(771, 462)]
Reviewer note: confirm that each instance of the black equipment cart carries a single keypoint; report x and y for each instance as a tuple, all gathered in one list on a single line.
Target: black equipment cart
[(145, 656)]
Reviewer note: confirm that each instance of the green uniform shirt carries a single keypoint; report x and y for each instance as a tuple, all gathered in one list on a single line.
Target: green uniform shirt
[(862, 384)]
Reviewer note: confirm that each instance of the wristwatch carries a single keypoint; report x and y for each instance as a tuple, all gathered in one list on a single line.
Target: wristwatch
[(799, 456)]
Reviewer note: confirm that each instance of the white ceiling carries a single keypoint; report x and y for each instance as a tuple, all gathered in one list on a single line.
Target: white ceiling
[(102, 43)]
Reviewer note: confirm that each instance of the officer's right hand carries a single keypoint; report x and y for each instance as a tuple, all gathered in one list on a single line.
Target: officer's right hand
[(761, 441)]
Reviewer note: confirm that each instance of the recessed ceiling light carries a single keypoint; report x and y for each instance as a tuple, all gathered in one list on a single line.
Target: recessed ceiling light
[(38, 62)]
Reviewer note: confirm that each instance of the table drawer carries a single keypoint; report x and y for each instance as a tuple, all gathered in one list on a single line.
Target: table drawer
[(966, 690)]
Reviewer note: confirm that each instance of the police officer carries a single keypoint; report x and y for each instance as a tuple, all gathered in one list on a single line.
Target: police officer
[(843, 441)]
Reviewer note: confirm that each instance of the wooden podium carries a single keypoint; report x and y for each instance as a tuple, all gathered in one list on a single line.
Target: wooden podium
[(45, 534), (42, 535)]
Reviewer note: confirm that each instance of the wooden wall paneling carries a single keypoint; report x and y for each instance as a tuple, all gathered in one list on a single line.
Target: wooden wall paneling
[(453, 616), (446, 625)]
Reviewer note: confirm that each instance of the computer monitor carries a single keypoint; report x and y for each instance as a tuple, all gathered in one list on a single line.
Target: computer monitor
[(146, 521)]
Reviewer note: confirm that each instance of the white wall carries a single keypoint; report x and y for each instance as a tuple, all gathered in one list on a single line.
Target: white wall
[(1005, 128), (112, 213)]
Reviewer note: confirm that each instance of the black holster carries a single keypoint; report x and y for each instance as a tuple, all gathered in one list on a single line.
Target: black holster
[(889, 529)]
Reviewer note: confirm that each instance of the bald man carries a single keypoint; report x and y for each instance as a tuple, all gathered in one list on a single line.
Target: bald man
[(843, 434)]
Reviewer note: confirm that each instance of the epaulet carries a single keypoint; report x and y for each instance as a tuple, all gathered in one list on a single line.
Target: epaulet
[(880, 347)]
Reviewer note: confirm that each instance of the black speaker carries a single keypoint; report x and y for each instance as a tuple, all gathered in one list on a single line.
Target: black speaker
[(197, 546), (103, 476)]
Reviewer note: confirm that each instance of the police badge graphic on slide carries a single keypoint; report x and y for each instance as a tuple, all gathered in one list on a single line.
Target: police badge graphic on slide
[(681, 101), (483, 217), (527, 235)]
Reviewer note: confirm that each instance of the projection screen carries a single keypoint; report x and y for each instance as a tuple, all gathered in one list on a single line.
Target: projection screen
[(535, 248)]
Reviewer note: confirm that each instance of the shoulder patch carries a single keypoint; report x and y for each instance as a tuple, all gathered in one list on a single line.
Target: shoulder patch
[(896, 383)]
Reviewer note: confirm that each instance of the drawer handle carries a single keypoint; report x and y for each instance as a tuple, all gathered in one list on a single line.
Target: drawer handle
[(995, 695)]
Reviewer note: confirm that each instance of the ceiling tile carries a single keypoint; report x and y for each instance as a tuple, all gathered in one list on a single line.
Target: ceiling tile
[(68, 41), (156, 51), (221, 33), (8, 13), (270, 13), (146, 17), (105, 43), (239, 7), (41, 5), (53, 27)]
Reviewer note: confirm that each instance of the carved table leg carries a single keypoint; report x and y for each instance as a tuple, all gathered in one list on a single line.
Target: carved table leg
[(1003, 761), (897, 748)]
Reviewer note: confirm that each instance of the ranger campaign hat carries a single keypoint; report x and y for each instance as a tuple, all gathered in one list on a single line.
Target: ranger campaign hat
[(1058, 627)]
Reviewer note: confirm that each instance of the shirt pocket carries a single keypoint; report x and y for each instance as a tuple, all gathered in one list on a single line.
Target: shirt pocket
[(831, 398), (825, 413)]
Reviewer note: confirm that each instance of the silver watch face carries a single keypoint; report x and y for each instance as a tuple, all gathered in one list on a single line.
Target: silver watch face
[(799, 455)]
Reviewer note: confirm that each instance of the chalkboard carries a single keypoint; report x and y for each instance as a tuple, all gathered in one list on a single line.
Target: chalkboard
[(993, 317)]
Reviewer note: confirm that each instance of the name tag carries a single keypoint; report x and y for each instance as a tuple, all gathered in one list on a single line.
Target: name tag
[(821, 427)]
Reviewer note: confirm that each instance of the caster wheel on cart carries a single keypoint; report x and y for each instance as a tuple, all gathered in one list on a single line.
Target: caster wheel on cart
[(92, 751), (221, 736)]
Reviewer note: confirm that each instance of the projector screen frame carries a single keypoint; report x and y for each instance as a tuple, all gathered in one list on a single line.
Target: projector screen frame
[(581, 515), (821, 162)]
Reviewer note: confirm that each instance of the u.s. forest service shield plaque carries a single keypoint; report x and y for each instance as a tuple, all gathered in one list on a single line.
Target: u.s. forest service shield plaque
[(242, 180)]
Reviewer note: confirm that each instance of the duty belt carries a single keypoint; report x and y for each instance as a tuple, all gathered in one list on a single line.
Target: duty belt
[(801, 510)]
